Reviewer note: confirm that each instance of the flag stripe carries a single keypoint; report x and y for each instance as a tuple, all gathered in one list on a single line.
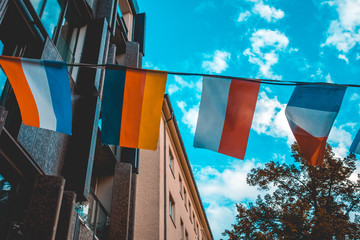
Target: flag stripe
[(311, 112), (151, 110), (313, 148), (212, 112), (36, 77), (58, 80), (317, 97), (305, 118), (112, 100), (14, 72), (239, 114), (132, 106)]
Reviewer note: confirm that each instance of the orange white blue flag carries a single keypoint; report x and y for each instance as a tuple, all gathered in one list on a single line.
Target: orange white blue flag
[(311, 112), (131, 108), (226, 111), (42, 90)]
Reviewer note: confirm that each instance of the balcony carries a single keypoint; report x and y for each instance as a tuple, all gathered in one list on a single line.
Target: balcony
[(95, 216)]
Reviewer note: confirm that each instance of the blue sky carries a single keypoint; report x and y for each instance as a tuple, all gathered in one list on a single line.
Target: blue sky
[(309, 40)]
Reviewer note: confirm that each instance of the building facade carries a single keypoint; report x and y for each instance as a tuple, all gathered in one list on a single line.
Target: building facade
[(168, 204), (52, 185)]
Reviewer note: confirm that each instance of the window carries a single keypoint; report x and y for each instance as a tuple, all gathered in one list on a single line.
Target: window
[(196, 227), (49, 12), (2, 74), (172, 208), (171, 161), (190, 211), (186, 235), (185, 199), (193, 217), (181, 187), (181, 229)]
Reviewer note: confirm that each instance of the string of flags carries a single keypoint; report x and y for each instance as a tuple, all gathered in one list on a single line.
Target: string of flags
[(132, 103)]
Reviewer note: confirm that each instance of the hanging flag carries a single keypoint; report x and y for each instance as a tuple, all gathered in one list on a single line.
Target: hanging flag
[(226, 112), (131, 107), (311, 112), (42, 90), (355, 146)]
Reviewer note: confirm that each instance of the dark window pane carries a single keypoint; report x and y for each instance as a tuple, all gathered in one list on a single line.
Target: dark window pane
[(2, 74), (5, 189), (50, 16), (37, 5)]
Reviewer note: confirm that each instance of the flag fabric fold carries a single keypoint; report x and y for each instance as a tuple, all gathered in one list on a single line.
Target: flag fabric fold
[(131, 107), (42, 90), (226, 111), (311, 112)]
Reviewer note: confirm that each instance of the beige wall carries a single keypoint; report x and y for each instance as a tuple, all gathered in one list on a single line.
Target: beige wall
[(149, 215)]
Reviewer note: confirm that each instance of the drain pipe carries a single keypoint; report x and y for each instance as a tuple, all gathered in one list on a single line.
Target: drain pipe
[(165, 190)]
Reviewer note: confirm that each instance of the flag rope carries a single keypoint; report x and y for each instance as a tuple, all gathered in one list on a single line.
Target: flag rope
[(261, 80)]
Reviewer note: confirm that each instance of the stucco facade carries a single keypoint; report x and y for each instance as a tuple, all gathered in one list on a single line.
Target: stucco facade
[(186, 219)]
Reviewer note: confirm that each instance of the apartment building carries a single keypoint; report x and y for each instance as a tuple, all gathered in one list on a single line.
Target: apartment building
[(53, 185), (168, 204)]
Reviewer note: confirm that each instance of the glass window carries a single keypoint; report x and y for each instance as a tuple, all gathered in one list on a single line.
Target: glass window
[(181, 229), (172, 208), (49, 12), (2, 74), (181, 186), (5, 188), (171, 160)]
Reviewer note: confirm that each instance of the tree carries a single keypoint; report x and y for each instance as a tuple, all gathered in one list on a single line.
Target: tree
[(307, 202)]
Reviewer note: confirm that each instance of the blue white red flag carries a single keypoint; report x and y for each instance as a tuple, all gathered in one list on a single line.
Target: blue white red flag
[(311, 112)]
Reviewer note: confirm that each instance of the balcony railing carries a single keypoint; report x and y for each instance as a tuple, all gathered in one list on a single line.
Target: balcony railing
[(94, 215)]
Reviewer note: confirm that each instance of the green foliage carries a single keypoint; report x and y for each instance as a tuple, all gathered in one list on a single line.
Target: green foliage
[(304, 202)]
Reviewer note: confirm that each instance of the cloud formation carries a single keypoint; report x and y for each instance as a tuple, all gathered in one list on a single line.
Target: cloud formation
[(221, 189), (266, 12), (190, 115), (270, 119), (343, 33), (264, 52), (219, 62)]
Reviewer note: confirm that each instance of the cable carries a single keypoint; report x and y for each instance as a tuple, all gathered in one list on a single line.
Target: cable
[(259, 80)]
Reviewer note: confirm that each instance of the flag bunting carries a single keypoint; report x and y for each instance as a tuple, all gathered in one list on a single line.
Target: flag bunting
[(311, 112), (132, 103), (42, 89), (225, 116), (131, 108)]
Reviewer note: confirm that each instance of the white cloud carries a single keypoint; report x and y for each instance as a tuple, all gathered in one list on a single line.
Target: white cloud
[(190, 115), (244, 16), (354, 97), (149, 65), (219, 62), (218, 187), (330, 3), (220, 218), (357, 56), (261, 41), (267, 12), (270, 119), (343, 57), (173, 88), (328, 78), (341, 139), (343, 33), (229, 184), (181, 83)]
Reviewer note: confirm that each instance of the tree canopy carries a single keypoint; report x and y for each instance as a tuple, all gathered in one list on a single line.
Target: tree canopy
[(303, 202)]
